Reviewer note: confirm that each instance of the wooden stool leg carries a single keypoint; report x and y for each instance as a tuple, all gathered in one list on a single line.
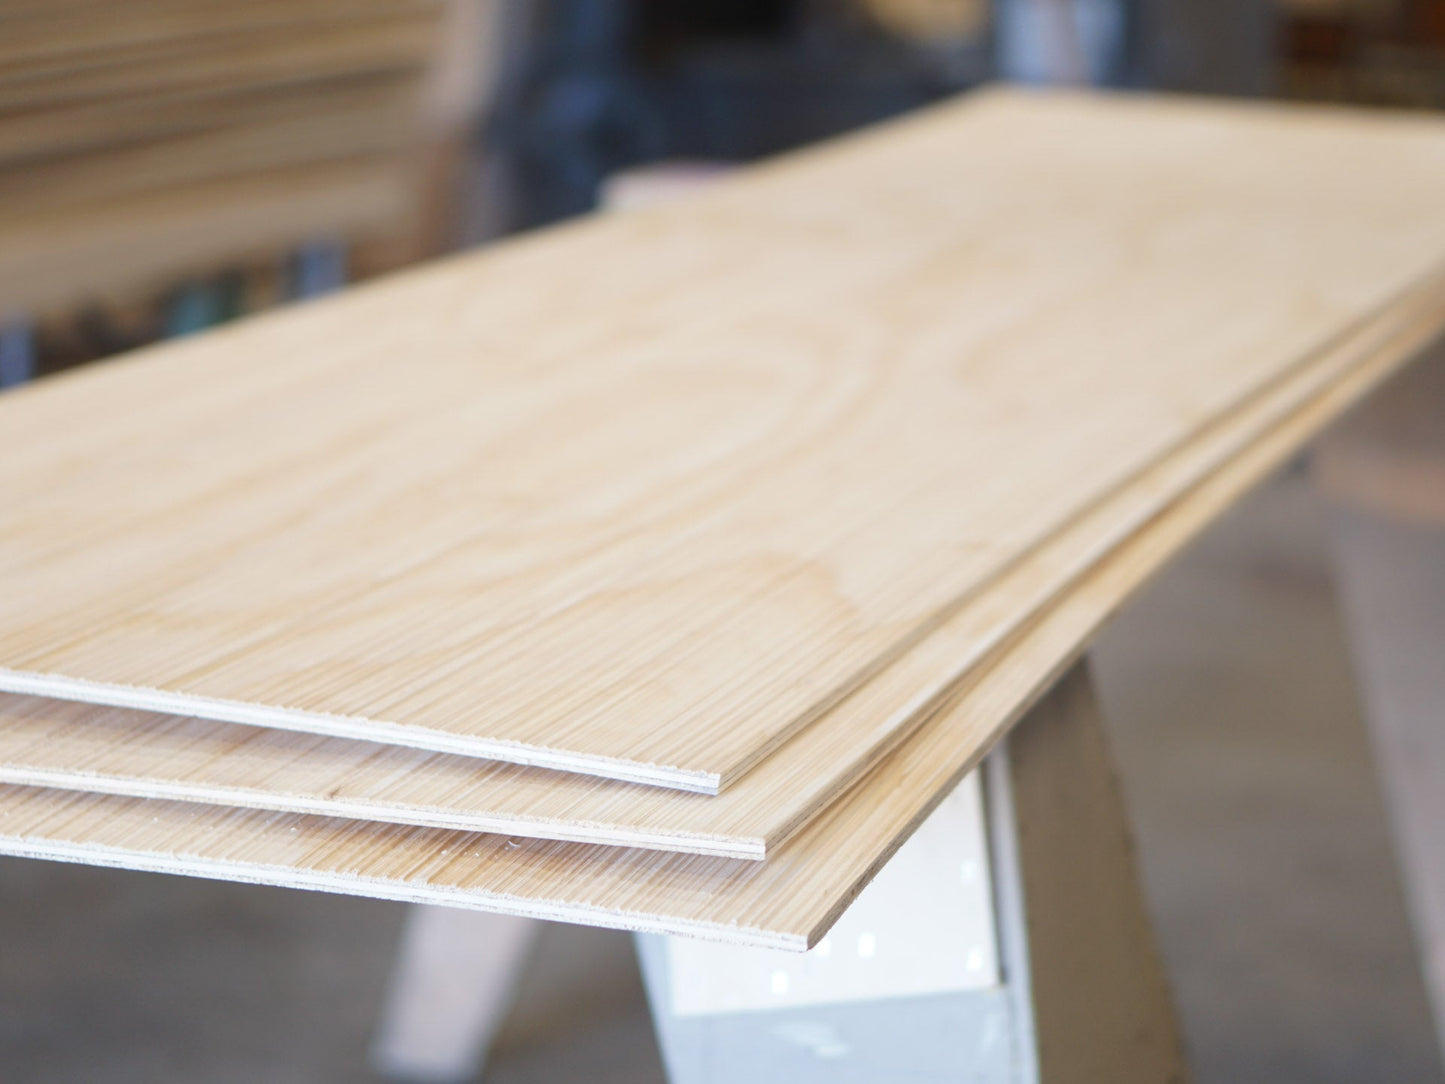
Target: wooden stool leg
[(451, 987)]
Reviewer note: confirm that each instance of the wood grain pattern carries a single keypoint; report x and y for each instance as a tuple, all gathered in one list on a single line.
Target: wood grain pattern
[(53, 743), (788, 901), (652, 522)]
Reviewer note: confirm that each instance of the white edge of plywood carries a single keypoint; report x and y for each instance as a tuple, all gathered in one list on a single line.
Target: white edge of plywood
[(343, 726), (750, 848), (377, 888), (1195, 511)]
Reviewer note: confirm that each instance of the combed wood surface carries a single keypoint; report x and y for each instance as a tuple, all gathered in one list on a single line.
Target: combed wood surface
[(76, 746), (646, 496), (787, 901)]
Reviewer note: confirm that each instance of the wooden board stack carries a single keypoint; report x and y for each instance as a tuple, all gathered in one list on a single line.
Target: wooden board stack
[(664, 570), (155, 138)]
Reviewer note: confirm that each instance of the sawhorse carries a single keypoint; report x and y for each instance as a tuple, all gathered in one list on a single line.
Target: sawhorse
[(1008, 940)]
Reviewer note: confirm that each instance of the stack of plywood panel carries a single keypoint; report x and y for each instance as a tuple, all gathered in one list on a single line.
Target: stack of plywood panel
[(664, 570), (160, 137)]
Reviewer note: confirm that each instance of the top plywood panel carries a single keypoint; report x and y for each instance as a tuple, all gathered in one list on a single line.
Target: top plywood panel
[(52, 743), (788, 901), (643, 497)]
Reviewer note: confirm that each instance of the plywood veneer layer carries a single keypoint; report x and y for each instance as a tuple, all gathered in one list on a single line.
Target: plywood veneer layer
[(52, 743), (645, 496), (788, 901)]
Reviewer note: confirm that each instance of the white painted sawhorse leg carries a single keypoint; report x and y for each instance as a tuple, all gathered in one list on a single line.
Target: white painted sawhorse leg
[(1013, 916)]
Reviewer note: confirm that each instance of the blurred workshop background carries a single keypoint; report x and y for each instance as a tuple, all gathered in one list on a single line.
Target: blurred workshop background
[(170, 165), (166, 165)]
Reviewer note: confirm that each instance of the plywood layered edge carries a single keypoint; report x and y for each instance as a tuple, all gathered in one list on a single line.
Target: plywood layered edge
[(781, 334), (788, 901), (66, 745)]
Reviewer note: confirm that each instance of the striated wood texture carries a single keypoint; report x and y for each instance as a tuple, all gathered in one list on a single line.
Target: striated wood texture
[(787, 901), (646, 496), (77, 746)]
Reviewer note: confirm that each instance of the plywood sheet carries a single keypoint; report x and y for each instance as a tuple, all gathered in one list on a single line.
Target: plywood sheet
[(162, 138), (75, 746), (358, 130), (70, 33), (49, 261), (788, 901), (381, 41), (644, 497), (100, 126)]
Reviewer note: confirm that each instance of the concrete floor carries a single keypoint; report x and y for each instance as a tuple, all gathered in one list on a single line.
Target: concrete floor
[(1262, 833), (1264, 848)]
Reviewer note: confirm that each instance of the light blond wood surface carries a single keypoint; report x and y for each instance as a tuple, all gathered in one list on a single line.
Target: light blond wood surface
[(650, 522), (787, 901), (54, 743)]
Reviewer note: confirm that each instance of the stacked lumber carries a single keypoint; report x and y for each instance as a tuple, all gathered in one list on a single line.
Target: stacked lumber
[(664, 570), (150, 139)]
